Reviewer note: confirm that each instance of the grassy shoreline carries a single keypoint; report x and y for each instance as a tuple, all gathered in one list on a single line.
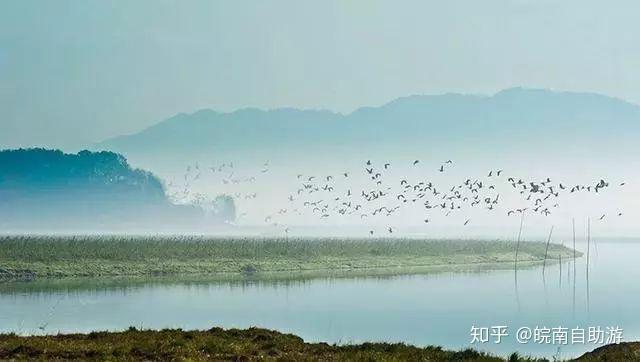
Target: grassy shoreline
[(93, 256), (245, 345)]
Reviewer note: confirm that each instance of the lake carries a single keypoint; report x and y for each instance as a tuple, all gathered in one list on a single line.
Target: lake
[(431, 309)]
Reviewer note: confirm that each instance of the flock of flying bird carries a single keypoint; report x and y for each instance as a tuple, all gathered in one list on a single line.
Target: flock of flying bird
[(330, 196), (184, 192)]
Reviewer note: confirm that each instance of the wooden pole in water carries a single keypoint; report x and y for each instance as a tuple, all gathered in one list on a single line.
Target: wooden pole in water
[(588, 243), (560, 267), (573, 222), (573, 303), (588, 252), (546, 251), (515, 266), (573, 310)]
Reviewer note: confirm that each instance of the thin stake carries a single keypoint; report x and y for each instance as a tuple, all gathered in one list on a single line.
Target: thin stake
[(546, 251), (588, 242), (560, 269), (588, 248), (574, 268), (573, 222), (515, 266)]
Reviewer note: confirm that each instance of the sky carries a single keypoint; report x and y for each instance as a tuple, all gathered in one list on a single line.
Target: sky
[(73, 73)]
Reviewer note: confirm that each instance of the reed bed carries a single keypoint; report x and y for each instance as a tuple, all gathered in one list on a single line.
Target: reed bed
[(53, 248), (122, 255)]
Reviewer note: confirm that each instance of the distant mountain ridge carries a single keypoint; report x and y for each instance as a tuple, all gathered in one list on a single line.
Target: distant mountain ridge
[(516, 117)]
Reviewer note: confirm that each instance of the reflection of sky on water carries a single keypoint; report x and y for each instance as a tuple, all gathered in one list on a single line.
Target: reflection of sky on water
[(421, 309)]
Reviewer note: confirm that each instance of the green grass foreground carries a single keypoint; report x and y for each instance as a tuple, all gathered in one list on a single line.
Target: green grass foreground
[(246, 345), (90, 256), (216, 344)]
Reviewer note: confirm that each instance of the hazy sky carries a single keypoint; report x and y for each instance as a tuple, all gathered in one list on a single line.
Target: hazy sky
[(74, 72)]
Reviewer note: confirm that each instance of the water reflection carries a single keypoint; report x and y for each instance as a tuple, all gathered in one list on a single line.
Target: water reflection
[(423, 309)]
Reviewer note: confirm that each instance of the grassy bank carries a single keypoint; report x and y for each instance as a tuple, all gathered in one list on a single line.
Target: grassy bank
[(84, 256), (216, 344), (246, 345)]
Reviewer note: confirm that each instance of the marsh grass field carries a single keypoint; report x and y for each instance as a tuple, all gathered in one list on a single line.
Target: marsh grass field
[(96, 256), (247, 345), (219, 345)]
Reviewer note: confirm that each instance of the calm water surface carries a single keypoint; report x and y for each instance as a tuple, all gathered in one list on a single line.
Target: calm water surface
[(432, 309)]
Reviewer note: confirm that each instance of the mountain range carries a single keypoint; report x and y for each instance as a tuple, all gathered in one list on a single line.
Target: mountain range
[(570, 137), (518, 120)]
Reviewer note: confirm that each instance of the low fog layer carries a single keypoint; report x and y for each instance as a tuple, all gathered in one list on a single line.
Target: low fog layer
[(425, 166), (263, 158), (45, 190)]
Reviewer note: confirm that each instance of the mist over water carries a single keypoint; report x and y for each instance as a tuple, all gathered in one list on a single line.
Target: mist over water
[(271, 192)]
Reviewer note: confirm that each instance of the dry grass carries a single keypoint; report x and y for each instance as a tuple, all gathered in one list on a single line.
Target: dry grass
[(217, 344)]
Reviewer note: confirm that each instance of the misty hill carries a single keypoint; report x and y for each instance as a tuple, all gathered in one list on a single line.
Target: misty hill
[(45, 189), (516, 120)]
